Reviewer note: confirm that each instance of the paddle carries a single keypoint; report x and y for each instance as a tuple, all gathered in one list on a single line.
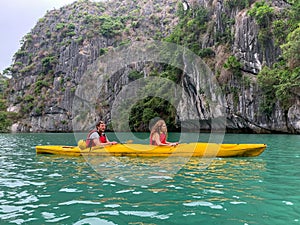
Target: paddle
[(128, 142), (82, 144)]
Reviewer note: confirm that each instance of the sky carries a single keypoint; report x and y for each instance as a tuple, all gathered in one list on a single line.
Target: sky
[(17, 18)]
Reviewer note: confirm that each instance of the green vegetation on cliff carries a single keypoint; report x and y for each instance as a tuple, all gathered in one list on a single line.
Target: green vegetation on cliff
[(6, 118), (281, 81)]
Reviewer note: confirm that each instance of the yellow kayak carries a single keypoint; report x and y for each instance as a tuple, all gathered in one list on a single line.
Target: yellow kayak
[(141, 150)]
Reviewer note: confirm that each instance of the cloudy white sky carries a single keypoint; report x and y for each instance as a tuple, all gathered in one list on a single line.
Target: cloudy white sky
[(17, 18)]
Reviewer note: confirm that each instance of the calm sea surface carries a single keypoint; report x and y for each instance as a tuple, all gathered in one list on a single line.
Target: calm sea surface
[(47, 189)]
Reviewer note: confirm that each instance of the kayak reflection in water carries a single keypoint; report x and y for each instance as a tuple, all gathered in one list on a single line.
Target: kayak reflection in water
[(159, 133)]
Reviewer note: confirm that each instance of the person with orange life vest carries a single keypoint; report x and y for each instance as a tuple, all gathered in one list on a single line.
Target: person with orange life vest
[(97, 136), (158, 134)]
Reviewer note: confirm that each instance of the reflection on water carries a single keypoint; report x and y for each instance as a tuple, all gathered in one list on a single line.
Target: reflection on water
[(137, 171)]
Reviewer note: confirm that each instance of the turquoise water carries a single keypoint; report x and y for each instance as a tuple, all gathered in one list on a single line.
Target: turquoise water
[(46, 189)]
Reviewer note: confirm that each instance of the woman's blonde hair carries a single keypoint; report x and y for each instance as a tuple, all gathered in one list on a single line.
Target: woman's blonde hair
[(156, 128)]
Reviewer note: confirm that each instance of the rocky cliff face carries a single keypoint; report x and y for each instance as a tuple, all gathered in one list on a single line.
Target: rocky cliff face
[(66, 44)]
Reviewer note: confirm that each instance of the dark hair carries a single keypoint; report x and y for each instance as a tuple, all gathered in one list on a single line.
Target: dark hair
[(99, 122)]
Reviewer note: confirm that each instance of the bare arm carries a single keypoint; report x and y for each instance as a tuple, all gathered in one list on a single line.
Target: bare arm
[(110, 142), (158, 142), (172, 143), (156, 138), (98, 143)]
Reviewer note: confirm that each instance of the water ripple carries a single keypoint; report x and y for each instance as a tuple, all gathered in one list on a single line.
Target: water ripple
[(94, 221), (79, 202), (70, 190), (203, 203)]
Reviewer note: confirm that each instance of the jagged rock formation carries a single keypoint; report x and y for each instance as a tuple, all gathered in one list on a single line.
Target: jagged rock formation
[(64, 44)]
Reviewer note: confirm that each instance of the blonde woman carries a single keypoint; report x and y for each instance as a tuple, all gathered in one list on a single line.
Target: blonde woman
[(158, 134)]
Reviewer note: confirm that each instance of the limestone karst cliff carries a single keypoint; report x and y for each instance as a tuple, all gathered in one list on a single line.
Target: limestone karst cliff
[(66, 47)]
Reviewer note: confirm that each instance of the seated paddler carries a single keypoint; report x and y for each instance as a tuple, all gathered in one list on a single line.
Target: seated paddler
[(97, 137), (158, 134)]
